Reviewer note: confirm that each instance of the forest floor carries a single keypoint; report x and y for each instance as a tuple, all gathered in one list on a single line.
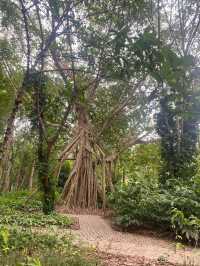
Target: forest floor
[(124, 249)]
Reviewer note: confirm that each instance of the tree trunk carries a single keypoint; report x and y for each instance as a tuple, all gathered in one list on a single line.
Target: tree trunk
[(17, 182), (87, 180), (22, 181), (7, 180), (30, 180), (7, 141), (109, 175), (46, 181)]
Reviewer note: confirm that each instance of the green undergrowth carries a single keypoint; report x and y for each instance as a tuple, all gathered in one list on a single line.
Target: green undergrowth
[(34, 219), (25, 248), (19, 209), (21, 200), (30, 238), (144, 204)]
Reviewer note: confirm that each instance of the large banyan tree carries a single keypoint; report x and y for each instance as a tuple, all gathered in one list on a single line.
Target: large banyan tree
[(108, 44), (73, 37), (86, 181), (103, 53), (91, 174)]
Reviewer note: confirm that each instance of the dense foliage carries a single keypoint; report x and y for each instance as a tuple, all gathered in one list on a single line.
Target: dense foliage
[(23, 242), (142, 202), (99, 107), (23, 247), (18, 210)]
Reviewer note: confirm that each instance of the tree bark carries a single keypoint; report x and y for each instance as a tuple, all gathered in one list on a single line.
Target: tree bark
[(44, 149), (7, 140), (7, 180), (86, 183), (17, 183), (46, 181), (30, 180)]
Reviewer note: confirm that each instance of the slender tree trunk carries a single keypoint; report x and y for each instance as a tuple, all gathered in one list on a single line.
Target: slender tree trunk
[(17, 183), (30, 180), (109, 175), (22, 181), (124, 178), (104, 184)]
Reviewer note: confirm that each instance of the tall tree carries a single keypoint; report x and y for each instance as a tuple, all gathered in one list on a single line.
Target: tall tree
[(177, 122)]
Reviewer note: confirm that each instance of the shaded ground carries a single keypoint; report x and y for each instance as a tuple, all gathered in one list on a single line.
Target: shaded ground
[(131, 248), (120, 260)]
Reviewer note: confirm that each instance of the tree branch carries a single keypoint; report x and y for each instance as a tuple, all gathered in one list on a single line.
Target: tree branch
[(117, 109), (25, 19)]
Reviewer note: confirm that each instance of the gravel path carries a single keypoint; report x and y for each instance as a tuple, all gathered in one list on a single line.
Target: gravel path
[(95, 230)]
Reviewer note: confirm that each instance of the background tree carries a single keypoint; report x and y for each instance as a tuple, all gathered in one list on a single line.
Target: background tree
[(178, 119)]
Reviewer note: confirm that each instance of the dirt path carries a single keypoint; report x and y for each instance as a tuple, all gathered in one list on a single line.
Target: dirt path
[(95, 230)]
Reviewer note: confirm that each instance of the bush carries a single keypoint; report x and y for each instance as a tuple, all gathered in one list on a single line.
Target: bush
[(13, 211), (139, 203), (34, 219), (20, 200), (187, 228), (22, 247)]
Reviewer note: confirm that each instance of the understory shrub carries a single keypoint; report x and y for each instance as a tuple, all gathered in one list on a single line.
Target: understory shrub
[(22, 244), (187, 228), (21, 200), (139, 203), (34, 219), (23, 247), (15, 210)]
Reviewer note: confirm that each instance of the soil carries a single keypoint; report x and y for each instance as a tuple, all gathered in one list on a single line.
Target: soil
[(75, 224), (125, 249), (109, 259)]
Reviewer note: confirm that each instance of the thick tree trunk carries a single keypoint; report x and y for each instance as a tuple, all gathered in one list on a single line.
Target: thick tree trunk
[(7, 179), (80, 190), (46, 181), (86, 183), (8, 136), (6, 166), (47, 184)]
